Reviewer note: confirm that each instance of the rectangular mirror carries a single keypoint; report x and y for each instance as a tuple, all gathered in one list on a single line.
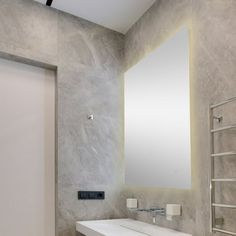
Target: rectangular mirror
[(157, 117)]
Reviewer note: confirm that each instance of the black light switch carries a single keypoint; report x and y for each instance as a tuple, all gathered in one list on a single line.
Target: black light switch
[(91, 195)]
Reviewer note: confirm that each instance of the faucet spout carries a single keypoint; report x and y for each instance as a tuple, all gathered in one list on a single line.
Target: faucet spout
[(158, 211)]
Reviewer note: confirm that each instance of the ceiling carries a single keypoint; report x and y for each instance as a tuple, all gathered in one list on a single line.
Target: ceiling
[(118, 15)]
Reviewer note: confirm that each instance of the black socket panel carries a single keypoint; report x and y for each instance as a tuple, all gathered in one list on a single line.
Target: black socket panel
[(91, 195)]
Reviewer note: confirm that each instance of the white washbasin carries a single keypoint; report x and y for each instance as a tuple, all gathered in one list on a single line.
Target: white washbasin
[(124, 227)]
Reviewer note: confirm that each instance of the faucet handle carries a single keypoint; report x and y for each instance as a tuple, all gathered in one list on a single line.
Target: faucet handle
[(173, 210)]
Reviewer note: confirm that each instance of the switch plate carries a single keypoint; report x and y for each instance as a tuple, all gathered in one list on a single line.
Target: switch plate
[(91, 195)]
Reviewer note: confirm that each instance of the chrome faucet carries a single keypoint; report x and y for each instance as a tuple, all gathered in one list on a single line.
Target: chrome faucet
[(158, 211)]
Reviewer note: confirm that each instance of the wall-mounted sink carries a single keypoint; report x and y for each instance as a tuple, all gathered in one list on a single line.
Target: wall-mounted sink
[(124, 227)]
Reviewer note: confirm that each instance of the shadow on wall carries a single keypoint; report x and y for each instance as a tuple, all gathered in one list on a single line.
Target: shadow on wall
[(79, 234)]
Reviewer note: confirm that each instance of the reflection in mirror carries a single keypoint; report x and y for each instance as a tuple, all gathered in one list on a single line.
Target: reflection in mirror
[(157, 117)]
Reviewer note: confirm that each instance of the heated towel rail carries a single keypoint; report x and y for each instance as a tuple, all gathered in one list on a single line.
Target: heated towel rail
[(214, 155)]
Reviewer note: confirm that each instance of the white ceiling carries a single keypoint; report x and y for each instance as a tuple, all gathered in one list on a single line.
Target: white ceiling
[(118, 15)]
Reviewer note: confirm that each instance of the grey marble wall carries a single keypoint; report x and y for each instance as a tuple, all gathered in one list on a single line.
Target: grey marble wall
[(89, 60), (212, 25), (89, 158)]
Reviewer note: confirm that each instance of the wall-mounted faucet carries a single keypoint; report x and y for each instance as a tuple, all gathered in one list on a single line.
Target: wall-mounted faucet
[(170, 210), (154, 212), (157, 211)]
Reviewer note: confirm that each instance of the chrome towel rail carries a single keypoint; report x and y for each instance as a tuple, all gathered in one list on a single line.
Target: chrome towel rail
[(224, 180), (223, 103), (213, 180), (223, 154), (223, 231), (224, 205), (223, 128)]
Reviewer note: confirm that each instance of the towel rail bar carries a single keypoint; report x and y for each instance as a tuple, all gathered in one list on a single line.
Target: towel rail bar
[(223, 231), (224, 180), (223, 154), (223, 103), (212, 179)]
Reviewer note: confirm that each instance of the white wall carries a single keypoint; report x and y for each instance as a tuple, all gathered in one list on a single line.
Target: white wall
[(27, 150)]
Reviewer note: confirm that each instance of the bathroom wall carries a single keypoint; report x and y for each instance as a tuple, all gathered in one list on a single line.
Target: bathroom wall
[(89, 59), (212, 25), (89, 79)]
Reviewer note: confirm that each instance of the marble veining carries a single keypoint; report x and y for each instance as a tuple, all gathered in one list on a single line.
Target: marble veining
[(90, 62)]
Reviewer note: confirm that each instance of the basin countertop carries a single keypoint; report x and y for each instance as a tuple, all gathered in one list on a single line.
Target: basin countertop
[(124, 227)]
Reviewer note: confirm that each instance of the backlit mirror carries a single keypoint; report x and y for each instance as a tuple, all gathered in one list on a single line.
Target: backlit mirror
[(157, 117)]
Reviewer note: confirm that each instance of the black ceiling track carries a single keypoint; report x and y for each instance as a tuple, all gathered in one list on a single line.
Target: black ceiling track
[(49, 2)]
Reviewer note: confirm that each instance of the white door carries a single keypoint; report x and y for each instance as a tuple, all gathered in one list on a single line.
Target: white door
[(27, 150)]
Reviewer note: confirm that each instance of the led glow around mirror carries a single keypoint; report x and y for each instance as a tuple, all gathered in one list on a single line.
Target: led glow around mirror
[(157, 117)]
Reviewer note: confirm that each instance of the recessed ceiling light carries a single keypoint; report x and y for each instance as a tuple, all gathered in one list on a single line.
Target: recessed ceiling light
[(49, 2)]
